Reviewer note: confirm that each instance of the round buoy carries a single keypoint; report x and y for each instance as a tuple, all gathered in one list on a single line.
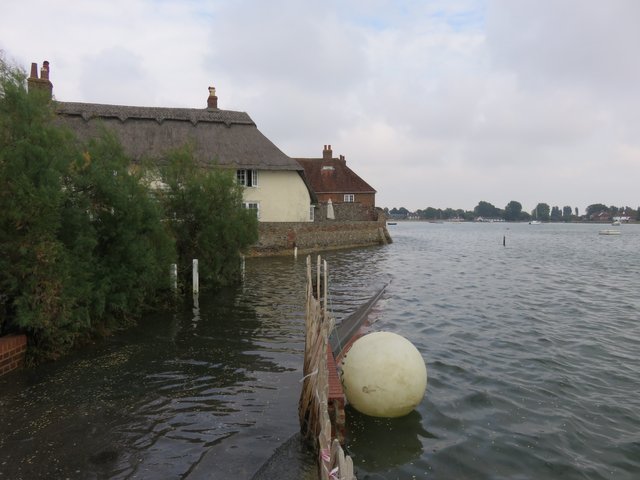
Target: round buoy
[(384, 375)]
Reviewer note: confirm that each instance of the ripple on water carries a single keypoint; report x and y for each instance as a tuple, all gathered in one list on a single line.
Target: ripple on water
[(531, 349)]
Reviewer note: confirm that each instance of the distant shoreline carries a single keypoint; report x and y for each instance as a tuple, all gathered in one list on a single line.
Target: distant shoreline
[(580, 222)]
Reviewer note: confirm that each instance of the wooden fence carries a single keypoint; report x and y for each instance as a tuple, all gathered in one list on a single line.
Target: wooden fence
[(315, 423)]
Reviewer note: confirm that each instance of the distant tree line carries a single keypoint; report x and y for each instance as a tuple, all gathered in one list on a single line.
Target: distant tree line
[(85, 244), (512, 212)]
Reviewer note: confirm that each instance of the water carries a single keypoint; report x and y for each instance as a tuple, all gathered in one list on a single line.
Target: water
[(208, 392), (532, 351)]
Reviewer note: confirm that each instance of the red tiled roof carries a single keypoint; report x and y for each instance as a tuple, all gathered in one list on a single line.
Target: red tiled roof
[(333, 176)]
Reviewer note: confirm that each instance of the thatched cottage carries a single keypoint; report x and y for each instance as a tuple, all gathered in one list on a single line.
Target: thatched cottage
[(274, 183)]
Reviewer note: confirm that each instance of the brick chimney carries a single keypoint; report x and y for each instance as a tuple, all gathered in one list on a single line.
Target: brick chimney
[(43, 83), (212, 101), (327, 153)]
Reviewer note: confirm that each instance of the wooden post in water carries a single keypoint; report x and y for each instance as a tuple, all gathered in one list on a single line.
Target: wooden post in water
[(173, 275), (196, 278), (325, 287), (318, 278)]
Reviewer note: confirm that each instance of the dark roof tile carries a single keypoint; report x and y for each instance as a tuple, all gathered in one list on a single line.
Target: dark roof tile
[(333, 176)]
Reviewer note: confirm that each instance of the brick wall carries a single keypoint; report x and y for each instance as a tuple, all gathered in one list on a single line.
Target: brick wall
[(280, 238), (12, 350), (366, 199), (347, 212)]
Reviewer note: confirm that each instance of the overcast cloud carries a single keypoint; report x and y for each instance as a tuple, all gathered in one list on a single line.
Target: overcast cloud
[(440, 103)]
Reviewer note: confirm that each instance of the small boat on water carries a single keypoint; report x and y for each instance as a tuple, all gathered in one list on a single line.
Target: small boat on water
[(609, 231), (616, 222), (535, 222), (391, 223)]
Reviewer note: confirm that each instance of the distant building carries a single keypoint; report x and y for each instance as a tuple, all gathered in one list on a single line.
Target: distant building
[(602, 216)]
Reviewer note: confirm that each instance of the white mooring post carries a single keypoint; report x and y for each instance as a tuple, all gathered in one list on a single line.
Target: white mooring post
[(196, 282), (325, 286), (173, 274), (318, 285), (295, 252)]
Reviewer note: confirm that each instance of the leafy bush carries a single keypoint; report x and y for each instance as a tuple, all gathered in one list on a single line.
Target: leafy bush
[(34, 265), (113, 221), (85, 246), (82, 245), (205, 214)]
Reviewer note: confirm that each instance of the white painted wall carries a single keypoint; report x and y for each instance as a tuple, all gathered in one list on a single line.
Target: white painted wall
[(282, 195)]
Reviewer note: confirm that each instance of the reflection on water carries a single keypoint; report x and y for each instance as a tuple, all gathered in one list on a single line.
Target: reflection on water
[(381, 443), (155, 401)]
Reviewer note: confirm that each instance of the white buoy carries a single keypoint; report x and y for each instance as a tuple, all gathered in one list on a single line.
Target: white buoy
[(384, 375)]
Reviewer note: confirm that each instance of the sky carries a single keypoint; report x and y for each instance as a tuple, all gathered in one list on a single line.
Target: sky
[(435, 103)]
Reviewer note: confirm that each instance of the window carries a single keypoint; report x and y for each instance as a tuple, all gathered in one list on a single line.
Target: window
[(255, 206), (312, 212), (349, 198), (247, 177)]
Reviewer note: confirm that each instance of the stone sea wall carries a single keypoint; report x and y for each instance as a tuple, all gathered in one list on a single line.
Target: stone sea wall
[(282, 237)]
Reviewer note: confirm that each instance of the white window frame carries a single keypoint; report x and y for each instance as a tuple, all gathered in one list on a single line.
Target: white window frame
[(241, 175), (247, 177), (252, 206), (349, 198)]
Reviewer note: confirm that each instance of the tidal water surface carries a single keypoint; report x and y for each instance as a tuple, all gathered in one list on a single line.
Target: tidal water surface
[(531, 335)]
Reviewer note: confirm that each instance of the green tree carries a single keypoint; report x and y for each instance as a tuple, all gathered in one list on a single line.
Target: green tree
[(430, 213), (596, 208), (541, 212), (512, 211), (82, 247), (449, 213), (486, 210), (566, 213), (206, 217), (556, 215), (34, 266), (110, 207)]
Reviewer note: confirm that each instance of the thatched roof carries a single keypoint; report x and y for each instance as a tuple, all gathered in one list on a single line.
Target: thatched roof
[(224, 137)]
